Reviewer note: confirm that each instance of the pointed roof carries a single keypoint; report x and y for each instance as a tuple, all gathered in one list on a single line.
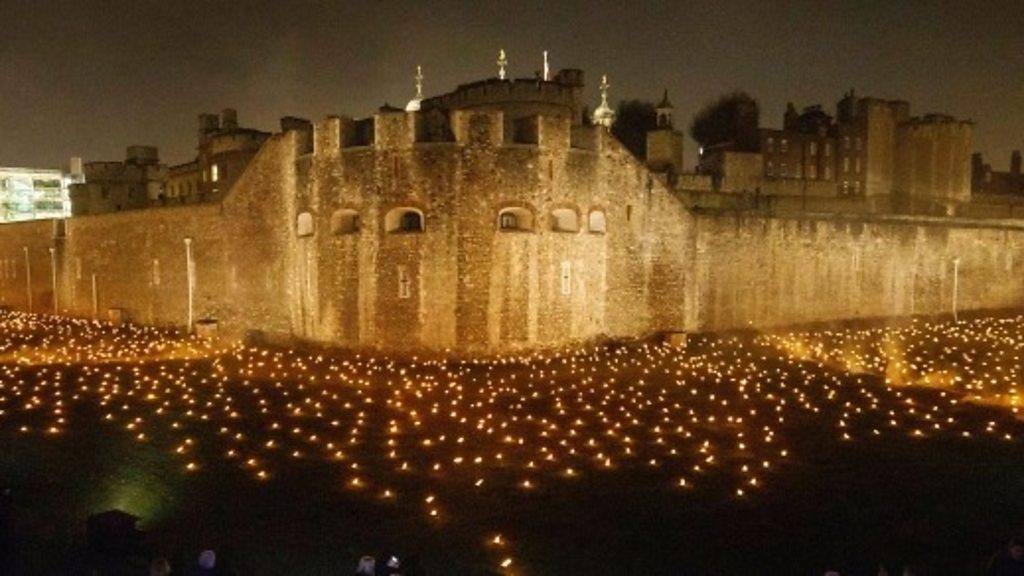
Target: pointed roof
[(665, 101)]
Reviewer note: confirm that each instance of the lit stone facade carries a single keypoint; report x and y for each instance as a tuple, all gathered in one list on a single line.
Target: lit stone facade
[(467, 231)]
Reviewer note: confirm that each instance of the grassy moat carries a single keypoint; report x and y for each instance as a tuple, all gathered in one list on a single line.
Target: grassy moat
[(749, 454)]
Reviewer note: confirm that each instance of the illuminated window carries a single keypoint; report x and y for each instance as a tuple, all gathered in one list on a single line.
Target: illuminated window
[(812, 171), (785, 145), (214, 173), (846, 163), (596, 223), (304, 225), (156, 272), (813, 147), (770, 169)]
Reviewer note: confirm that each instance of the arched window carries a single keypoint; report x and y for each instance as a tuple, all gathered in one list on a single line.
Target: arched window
[(344, 221), (515, 218), (596, 223), (411, 222), (565, 220), (304, 225), (404, 219)]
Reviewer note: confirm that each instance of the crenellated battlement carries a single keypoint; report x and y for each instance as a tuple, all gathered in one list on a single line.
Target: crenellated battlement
[(391, 129), (519, 97)]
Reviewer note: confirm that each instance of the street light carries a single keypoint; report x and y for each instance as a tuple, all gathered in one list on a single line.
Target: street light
[(956, 287), (190, 274), (28, 279), (53, 269)]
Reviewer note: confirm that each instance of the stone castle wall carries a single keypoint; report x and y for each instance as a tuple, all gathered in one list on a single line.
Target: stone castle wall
[(21, 276), (474, 286), (303, 247), (761, 272)]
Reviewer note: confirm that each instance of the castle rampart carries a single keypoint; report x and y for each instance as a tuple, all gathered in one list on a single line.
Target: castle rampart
[(475, 231)]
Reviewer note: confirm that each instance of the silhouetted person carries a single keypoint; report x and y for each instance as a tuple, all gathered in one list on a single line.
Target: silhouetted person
[(160, 567), (391, 567), (207, 564), (1009, 562), (367, 566), (6, 531)]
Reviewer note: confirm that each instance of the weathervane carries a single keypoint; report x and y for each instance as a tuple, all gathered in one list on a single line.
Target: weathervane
[(502, 63), (604, 115), (414, 104)]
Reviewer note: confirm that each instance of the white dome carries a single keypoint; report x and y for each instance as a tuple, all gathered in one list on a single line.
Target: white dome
[(413, 105), (604, 115)]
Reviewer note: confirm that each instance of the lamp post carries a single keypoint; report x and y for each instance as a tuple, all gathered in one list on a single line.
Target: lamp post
[(95, 299), (53, 270), (190, 274), (28, 279), (956, 287)]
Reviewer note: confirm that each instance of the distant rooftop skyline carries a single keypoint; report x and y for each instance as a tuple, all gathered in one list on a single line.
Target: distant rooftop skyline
[(90, 78)]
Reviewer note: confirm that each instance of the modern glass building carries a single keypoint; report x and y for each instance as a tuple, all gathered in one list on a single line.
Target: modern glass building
[(36, 193)]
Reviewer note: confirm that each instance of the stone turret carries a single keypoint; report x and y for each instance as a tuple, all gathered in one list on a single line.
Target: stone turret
[(665, 143), (664, 110)]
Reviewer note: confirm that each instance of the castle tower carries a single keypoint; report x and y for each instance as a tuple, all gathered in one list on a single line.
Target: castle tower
[(665, 143)]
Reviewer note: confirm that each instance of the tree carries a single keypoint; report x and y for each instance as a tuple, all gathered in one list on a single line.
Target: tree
[(734, 118), (633, 120)]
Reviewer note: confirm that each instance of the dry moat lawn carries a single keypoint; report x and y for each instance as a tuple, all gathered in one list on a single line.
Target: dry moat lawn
[(745, 454)]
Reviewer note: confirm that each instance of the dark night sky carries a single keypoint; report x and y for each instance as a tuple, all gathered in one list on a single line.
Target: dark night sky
[(88, 78)]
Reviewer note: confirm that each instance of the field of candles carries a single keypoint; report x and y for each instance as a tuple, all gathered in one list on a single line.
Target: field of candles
[(783, 453)]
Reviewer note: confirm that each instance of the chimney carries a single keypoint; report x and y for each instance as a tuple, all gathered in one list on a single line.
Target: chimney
[(75, 167), (569, 77), (142, 155), (208, 123), (229, 119), (1015, 162)]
